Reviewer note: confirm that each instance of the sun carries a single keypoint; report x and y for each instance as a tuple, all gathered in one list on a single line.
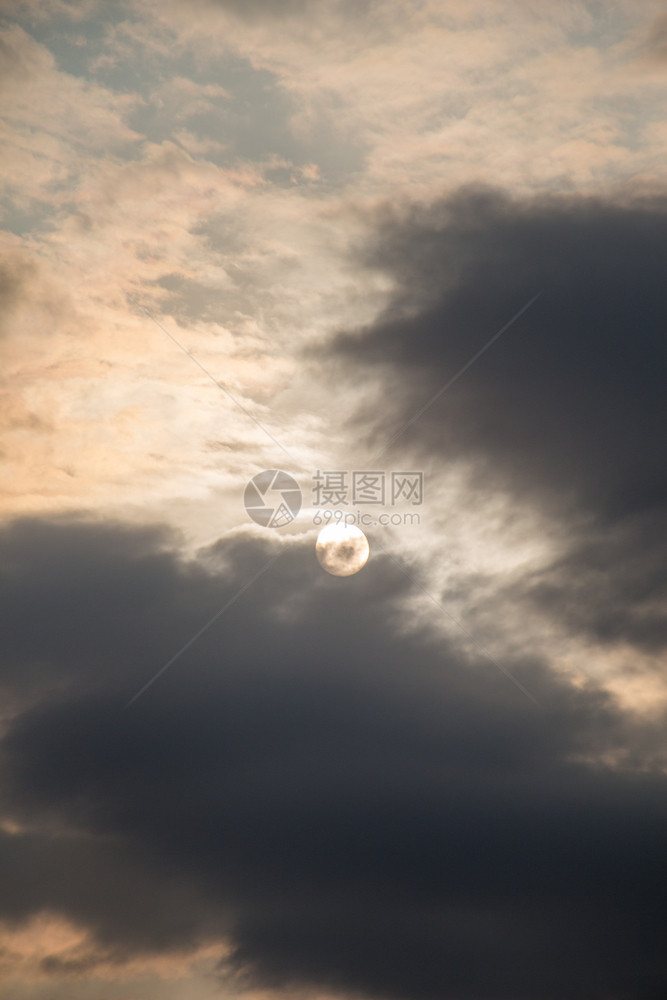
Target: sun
[(342, 549)]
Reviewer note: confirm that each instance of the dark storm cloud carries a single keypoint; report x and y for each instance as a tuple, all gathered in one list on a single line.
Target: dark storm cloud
[(571, 400), (611, 584), (104, 885), (359, 808), (568, 410), (75, 590)]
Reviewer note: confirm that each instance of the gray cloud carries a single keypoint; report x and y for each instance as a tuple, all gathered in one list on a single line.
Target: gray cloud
[(567, 410), (655, 46), (610, 585), (29, 295), (263, 8), (107, 886), (570, 400), (357, 808)]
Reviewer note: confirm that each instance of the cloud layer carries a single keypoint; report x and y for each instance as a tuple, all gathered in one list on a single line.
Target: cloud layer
[(334, 791), (349, 806), (564, 414)]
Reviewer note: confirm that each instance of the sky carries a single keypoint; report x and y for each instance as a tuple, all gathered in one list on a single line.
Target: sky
[(411, 253)]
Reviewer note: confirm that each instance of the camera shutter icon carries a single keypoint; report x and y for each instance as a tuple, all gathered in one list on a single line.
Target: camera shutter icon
[(272, 498)]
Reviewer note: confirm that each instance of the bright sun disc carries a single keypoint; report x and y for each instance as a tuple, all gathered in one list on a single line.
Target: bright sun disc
[(342, 549)]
